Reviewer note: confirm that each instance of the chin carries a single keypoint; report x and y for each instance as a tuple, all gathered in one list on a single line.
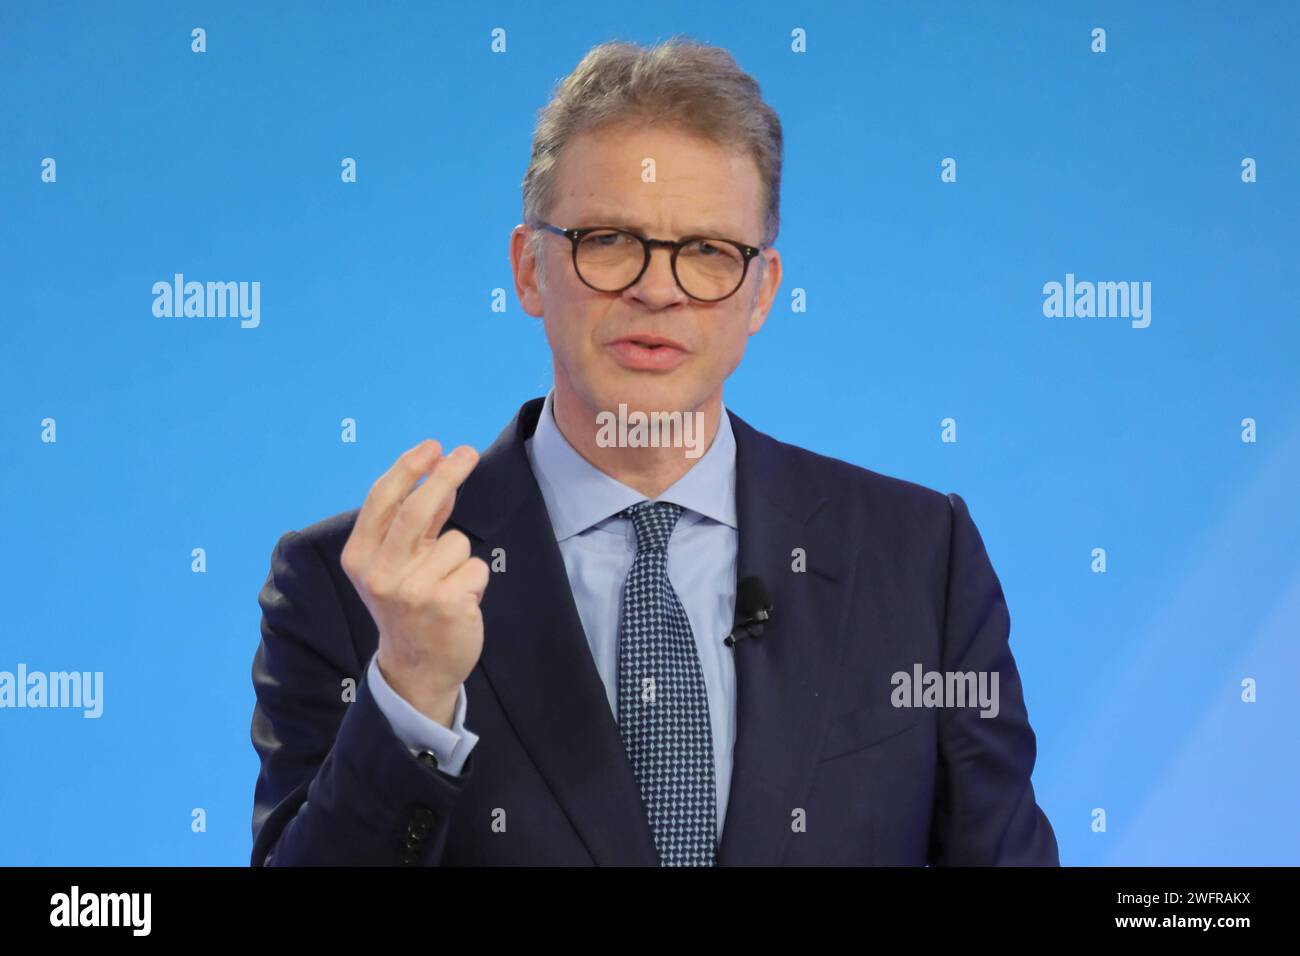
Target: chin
[(648, 393)]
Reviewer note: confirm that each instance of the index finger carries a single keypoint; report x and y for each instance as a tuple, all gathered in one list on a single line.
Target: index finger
[(427, 508), (389, 491)]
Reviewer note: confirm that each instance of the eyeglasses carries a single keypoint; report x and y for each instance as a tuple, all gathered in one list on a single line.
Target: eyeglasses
[(611, 260)]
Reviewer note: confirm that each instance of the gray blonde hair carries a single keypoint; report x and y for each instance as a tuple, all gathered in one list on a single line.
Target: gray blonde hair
[(680, 83)]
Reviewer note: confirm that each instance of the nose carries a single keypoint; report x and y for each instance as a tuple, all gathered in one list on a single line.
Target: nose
[(657, 287)]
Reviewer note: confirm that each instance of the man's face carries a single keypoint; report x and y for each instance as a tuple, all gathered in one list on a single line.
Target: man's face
[(699, 189)]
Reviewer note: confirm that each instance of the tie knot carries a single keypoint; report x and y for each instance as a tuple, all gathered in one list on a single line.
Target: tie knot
[(654, 522)]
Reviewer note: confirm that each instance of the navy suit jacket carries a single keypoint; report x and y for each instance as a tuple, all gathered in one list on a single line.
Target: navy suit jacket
[(827, 770)]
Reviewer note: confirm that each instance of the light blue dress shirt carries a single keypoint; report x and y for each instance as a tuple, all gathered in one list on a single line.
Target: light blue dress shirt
[(598, 548)]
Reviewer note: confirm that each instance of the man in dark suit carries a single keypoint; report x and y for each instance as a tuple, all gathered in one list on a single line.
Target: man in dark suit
[(521, 660)]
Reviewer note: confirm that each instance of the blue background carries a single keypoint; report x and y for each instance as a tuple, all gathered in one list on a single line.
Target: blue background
[(924, 301)]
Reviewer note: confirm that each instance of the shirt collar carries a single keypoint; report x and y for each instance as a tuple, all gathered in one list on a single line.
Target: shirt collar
[(579, 495)]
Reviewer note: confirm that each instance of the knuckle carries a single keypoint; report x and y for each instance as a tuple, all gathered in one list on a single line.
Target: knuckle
[(439, 487), (379, 585), (457, 541), (410, 591), (402, 516), (440, 596), (409, 464)]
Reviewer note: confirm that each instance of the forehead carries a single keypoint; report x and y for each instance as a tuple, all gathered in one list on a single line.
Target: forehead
[(698, 187)]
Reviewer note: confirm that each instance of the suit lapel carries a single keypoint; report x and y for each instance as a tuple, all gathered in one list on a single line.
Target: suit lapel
[(782, 678), (536, 657)]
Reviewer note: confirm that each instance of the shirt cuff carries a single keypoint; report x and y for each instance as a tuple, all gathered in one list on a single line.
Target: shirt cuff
[(451, 745)]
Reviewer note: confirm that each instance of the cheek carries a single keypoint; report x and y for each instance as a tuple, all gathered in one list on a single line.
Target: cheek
[(730, 339), (559, 336), (572, 335)]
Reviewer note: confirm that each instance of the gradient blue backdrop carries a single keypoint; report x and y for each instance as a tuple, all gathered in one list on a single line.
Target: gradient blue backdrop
[(924, 301)]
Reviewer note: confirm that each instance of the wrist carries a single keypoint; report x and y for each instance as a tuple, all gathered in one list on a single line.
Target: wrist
[(434, 699)]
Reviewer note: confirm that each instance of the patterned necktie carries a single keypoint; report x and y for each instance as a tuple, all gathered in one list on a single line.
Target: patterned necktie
[(663, 710)]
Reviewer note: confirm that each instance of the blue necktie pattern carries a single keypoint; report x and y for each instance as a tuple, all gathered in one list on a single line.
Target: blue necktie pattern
[(663, 708)]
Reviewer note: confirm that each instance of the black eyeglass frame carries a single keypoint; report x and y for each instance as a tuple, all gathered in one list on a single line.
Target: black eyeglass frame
[(648, 246)]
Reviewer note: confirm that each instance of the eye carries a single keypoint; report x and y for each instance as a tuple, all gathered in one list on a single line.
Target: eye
[(708, 249), (605, 239)]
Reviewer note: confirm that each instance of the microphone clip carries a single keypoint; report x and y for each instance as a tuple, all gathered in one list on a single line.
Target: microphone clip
[(751, 626)]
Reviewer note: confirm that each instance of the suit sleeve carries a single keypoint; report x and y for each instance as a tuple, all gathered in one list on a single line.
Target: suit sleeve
[(985, 811), (420, 732), (336, 785)]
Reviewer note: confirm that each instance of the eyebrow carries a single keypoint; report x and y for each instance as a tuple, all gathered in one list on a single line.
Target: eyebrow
[(616, 219)]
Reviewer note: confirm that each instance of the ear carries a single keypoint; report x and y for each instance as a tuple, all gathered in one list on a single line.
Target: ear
[(769, 280), (524, 266)]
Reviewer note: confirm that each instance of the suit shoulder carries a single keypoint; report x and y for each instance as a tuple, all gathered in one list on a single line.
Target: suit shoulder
[(839, 480), (326, 536)]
